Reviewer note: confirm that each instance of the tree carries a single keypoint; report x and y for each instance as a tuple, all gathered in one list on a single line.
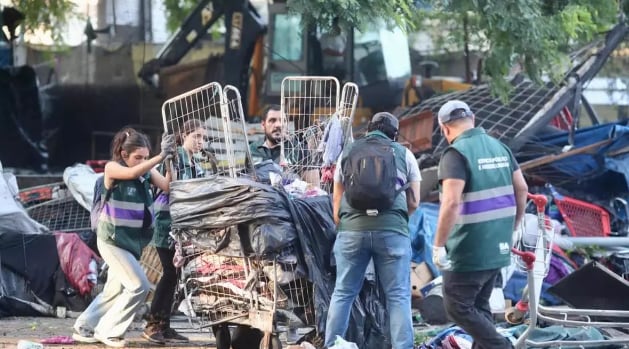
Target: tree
[(537, 34), (45, 15)]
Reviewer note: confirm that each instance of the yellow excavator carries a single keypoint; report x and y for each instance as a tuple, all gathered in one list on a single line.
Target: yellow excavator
[(258, 54)]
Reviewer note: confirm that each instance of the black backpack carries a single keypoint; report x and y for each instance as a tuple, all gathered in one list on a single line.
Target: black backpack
[(370, 174)]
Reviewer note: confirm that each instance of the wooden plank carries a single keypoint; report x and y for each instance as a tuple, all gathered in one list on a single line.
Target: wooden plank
[(544, 160)]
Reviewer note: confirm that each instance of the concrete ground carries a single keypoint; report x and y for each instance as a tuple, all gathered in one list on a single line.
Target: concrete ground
[(36, 329)]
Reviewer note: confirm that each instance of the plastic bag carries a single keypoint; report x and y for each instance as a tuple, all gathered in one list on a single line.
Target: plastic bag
[(340, 343), (219, 202)]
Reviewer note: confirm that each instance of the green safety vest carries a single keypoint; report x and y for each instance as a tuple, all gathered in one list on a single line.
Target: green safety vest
[(122, 220), (481, 238)]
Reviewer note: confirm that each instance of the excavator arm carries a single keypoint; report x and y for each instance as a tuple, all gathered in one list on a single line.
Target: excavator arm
[(244, 27)]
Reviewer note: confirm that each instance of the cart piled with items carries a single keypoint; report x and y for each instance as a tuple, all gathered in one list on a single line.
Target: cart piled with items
[(239, 241)]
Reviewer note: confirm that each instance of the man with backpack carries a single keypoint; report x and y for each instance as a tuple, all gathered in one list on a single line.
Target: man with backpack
[(483, 196), (376, 188)]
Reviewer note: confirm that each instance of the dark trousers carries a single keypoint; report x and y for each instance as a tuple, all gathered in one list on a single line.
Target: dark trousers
[(466, 299), (163, 298)]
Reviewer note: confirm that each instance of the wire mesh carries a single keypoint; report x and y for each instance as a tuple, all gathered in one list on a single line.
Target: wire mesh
[(346, 110), (222, 140), (224, 288), (236, 134), (64, 214), (502, 121), (306, 103), (582, 218)]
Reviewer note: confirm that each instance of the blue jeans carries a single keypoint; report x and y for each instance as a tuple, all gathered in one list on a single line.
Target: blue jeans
[(391, 253)]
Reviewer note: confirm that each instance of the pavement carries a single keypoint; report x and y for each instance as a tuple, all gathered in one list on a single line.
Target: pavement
[(35, 329)]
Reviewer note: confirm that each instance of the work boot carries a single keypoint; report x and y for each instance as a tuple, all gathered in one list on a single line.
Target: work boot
[(154, 335), (172, 336), (153, 332)]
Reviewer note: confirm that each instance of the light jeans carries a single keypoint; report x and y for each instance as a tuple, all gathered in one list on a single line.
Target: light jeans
[(391, 253), (112, 311)]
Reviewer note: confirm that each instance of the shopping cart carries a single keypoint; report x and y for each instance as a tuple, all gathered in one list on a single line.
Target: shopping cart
[(309, 106), (226, 284), (582, 219), (269, 293), (533, 254)]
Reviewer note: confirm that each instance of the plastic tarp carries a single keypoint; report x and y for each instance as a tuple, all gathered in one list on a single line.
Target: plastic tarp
[(13, 217), (218, 202), (80, 179), (606, 168), (422, 226), (37, 274), (317, 232), (75, 258), (22, 120)]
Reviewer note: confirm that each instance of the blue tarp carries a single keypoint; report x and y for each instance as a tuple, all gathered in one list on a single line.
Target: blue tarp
[(422, 225), (601, 172)]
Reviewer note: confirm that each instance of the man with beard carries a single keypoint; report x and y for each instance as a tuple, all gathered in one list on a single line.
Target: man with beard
[(270, 147)]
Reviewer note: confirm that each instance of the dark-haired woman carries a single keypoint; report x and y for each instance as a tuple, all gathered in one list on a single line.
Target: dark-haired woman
[(125, 227)]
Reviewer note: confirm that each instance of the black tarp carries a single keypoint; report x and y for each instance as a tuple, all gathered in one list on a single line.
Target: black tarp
[(201, 205), (22, 120), (29, 262), (317, 232)]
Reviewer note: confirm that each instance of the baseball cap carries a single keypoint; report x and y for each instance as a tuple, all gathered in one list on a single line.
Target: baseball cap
[(453, 110), (386, 117)]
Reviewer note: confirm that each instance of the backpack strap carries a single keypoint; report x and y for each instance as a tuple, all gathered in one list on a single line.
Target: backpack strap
[(397, 149), (108, 192)]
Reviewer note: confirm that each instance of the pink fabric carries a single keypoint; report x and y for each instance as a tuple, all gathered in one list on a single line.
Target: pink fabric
[(75, 257), (58, 340)]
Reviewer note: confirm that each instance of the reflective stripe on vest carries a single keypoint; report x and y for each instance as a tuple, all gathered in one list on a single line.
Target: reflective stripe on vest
[(486, 205), (161, 203), (123, 214)]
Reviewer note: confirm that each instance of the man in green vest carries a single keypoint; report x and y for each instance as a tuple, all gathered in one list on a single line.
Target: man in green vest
[(366, 233), (483, 196), (269, 148)]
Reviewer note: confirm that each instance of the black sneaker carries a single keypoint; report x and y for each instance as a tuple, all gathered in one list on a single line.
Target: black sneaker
[(156, 337), (171, 336)]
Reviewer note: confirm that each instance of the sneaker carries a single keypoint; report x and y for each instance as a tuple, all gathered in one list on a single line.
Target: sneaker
[(84, 335), (172, 336), (113, 342), (153, 336)]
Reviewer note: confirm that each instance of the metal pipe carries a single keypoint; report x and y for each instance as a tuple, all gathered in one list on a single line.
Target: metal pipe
[(610, 241)]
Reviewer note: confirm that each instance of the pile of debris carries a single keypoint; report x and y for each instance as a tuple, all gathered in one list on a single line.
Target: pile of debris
[(584, 173)]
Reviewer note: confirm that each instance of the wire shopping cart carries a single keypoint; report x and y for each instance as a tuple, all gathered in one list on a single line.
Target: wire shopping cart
[(533, 254), (224, 285), (310, 106)]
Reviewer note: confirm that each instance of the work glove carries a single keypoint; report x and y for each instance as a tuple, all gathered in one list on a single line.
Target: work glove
[(168, 144), (440, 258)]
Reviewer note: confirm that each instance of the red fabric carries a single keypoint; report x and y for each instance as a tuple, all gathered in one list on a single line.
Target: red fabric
[(75, 257), (327, 174)]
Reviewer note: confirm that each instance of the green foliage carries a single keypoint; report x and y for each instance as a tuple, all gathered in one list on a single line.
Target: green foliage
[(354, 13), (47, 15), (177, 11), (537, 34)]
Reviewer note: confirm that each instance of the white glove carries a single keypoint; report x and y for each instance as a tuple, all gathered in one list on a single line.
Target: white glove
[(440, 258)]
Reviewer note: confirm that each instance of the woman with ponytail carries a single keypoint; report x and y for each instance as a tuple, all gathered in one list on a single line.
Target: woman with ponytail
[(125, 227)]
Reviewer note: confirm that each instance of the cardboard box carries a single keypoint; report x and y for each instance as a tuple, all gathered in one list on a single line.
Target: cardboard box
[(420, 276)]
